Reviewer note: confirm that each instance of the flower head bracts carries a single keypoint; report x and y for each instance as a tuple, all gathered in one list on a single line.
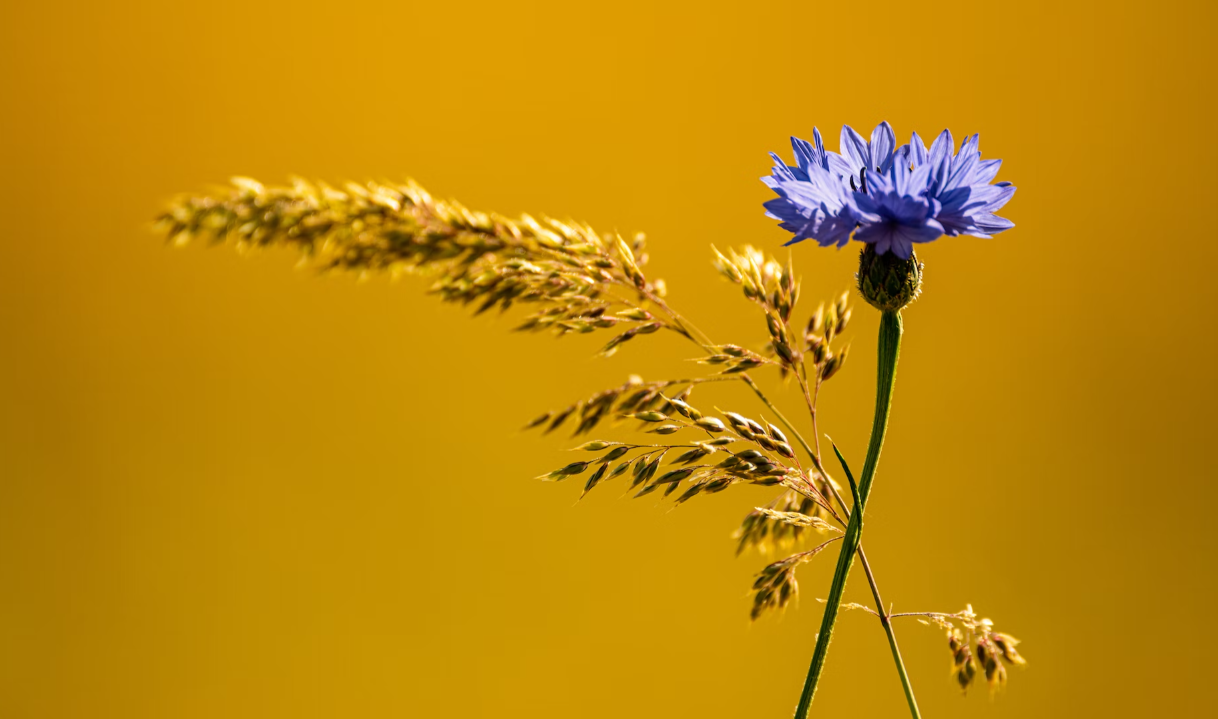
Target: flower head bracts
[(884, 195)]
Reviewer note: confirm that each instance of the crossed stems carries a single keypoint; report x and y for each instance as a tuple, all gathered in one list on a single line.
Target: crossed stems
[(688, 330)]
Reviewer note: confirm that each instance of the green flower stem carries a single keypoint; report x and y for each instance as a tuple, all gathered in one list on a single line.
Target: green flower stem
[(889, 352)]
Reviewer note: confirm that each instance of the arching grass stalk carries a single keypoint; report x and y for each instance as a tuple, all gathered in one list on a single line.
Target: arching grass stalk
[(889, 352)]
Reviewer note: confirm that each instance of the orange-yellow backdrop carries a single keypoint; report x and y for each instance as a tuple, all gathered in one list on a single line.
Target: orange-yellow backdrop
[(231, 489)]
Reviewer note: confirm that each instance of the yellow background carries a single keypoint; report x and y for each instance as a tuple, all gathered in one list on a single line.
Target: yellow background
[(231, 489)]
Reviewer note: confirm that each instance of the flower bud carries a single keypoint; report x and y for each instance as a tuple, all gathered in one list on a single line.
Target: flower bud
[(888, 282)]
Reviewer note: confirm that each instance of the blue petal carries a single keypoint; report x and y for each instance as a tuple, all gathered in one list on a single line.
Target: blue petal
[(878, 234), (941, 156), (918, 180), (866, 208), (783, 209), (782, 171), (854, 148), (805, 155), (840, 166), (942, 147), (883, 140), (820, 144), (877, 183), (918, 154), (927, 232), (986, 171), (993, 224), (962, 171), (1006, 191)]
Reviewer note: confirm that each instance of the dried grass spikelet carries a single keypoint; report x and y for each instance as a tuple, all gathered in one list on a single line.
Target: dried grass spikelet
[(775, 585), (762, 529), (824, 326), (735, 359), (976, 648), (964, 666), (798, 519), (763, 278), (633, 396), (488, 259), (773, 287), (766, 463)]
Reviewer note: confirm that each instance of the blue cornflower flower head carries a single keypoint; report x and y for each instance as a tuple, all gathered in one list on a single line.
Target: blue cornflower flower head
[(894, 211), (889, 197)]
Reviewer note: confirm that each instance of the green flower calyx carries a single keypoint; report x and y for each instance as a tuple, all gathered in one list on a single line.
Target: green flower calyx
[(888, 282)]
